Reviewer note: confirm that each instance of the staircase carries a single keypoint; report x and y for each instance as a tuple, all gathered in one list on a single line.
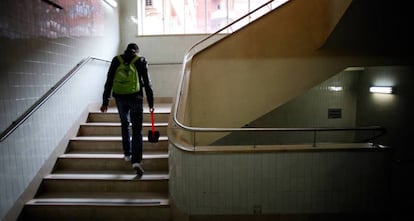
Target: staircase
[(91, 180)]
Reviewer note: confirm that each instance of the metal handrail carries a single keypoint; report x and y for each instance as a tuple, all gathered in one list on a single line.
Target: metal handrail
[(29, 112), (187, 67)]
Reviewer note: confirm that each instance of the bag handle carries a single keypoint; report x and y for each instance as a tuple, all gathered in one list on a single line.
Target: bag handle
[(152, 121)]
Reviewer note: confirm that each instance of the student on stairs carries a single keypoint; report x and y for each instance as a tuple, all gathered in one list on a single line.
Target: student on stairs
[(128, 94)]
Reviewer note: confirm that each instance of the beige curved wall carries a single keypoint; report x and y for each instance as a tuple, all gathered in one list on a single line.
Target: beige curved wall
[(266, 64), (263, 65)]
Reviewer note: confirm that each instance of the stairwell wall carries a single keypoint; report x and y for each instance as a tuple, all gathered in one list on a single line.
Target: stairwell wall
[(282, 183), (266, 64), (258, 68), (205, 184), (38, 46)]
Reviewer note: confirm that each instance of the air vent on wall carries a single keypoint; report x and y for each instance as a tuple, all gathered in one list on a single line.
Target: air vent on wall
[(334, 113)]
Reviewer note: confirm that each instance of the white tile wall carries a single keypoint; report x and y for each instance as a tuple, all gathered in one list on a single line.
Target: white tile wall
[(279, 182), (164, 79), (25, 151), (30, 66)]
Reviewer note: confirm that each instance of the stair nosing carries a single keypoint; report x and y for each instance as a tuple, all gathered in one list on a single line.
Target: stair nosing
[(144, 112), (118, 124), (94, 176), (110, 138), (109, 156), (99, 201)]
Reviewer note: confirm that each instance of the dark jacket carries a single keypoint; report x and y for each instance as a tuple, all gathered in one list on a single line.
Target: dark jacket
[(145, 81)]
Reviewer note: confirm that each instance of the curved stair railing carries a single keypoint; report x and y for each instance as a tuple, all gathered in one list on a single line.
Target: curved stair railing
[(375, 131), (29, 112)]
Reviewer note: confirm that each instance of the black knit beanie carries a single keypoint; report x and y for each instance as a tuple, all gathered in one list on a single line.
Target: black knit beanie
[(132, 47)]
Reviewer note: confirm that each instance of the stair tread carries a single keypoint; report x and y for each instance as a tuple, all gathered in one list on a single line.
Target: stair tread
[(158, 109), (101, 201), (97, 176), (113, 172), (104, 195), (110, 156), (110, 138), (113, 152), (148, 197), (92, 151), (118, 124)]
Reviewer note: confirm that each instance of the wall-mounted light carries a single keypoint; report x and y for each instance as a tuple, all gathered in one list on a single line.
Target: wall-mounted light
[(335, 88), (381, 90), (112, 3)]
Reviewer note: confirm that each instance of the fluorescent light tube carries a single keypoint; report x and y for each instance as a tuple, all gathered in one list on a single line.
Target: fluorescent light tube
[(335, 88), (381, 90), (112, 3)]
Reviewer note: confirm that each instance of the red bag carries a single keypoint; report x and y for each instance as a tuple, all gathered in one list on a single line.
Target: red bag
[(153, 135)]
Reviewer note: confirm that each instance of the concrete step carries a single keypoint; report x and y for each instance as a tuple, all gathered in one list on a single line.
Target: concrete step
[(112, 144), (114, 117), (108, 163), (76, 185), (122, 208), (161, 114), (158, 101), (114, 129)]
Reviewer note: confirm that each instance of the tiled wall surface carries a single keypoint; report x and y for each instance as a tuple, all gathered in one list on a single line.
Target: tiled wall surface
[(301, 112), (164, 79), (32, 62), (285, 182), (27, 149)]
